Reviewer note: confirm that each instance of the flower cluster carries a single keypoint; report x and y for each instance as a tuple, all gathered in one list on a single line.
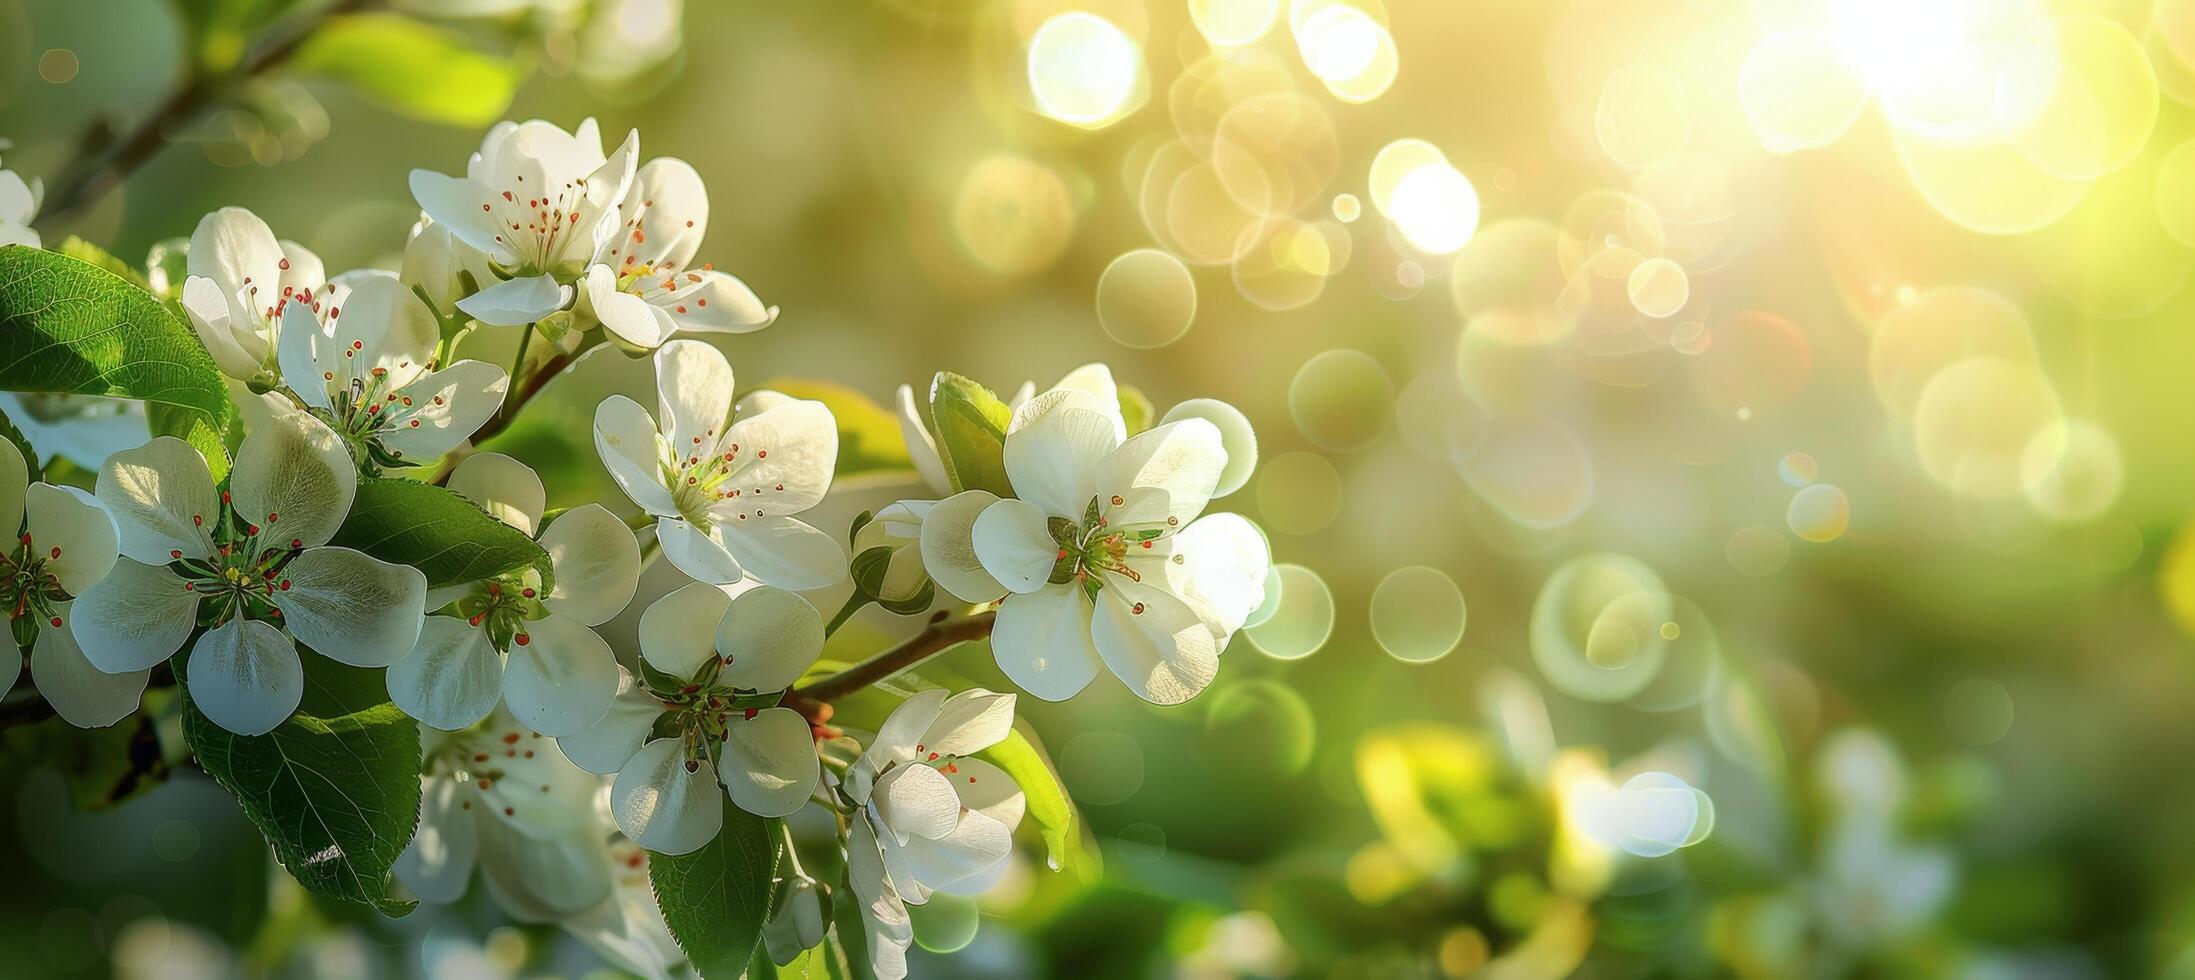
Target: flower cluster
[(556, 759)]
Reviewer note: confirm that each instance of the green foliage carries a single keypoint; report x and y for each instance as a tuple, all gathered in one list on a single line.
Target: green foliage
[(827, 961), (77, 248), (442, 534), (1023, 758), (102, 767), (12, 434), (717, 898), (969, 422), (868, 435), (414, 69), (67, 325), (335, 788), (221, 30)]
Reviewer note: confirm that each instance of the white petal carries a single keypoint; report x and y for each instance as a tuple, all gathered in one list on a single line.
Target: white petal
[(545, 881), (604, 747), (69, 529), (455, 203), (211, 315), (769, 763), (244, 676), (901, 734), (693, 395), (162, 500), (970, 722), (301, 266), (1182, 460), (83, 695), (715, 302), (301, 347), (669, 205), (14, 483), (916, 800), (378, 324), (517, 302), (630, 320), (597, 563), (1153, 642), (702, 555), (451, 679), (988, 790), (678, 631), (295, 479), (625, 438), (352, 607), (1053, 461), (768, 638), (666, 802), (1235, 433), (914, 430), (135, 617), (975, 845), (782, 459), (598, 211), (231, 246), (949, 548), (1042, 642), (439, 410), (438, 863), (785, 551), (1221, 572), (1013, 540), (883, 916), (562, 679), (510, 491)]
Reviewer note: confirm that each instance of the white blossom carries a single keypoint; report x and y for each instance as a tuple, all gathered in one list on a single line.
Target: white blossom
[(914, 418), (898, 527), (252, 563), (704, 708), (241, 282), (724, 492), (645, 287), (19, 200), (63, 543), (506, 640)]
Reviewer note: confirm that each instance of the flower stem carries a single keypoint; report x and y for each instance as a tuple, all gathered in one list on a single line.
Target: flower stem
[(934, 639), (518, 373), (853, 605)]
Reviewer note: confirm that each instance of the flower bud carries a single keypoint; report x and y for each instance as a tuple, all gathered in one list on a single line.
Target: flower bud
[(797, 918), (898, 528)]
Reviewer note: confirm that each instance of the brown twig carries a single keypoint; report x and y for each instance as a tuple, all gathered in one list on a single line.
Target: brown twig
[(94, 173), (938, 637), (534, 383)]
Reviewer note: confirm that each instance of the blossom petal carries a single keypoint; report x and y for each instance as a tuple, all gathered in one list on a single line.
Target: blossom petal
[(669, 206), (1042, 642), (630, 320), (625, 438), (1235, 433), (510, 491), (914, 430), (69, 529), (162, 500), (83, 695), (438, 863), (14, 483), (455, 203), (710, 301), (443, 408), (782, 458), (666, 802), (1181, 459), (970, 722), (212, 318), (975, 844), (352, 607), (597, 564), (299, 349), (294, 477), (901, 734), (769, 763), (1013, 540), (1218, 564), (693, 395), (702, 555), (678, 631), (236, 250), (545, 881), (1053, 461), (916, 800), (884, 920), (135, 617), (517, 302), (244, 676), (603, 747), (785, 551), (380, 326), (562, 679), (768, 638), (1153, 642), (451, 679), (949, 547), (989, 790)]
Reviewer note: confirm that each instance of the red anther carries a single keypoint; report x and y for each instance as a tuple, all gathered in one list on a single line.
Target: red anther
[(510, 738), (933, 757), (1062, 556), (1116, 500), (477, 617), (691, 764), (762, 454), (174, 554), (56, 552), (1138, 610), (523, 639), (56, 620), (528, 593), (296, 543), (751, 713)]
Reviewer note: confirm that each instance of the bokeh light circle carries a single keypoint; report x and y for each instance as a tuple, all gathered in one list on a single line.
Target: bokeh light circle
[(1658, 288), (1235, 435), (1262, 725), (1596, 627), (1976, 422), (1298, 493), (1341, 400), (1936, 329), (1013, 214), (1102, 768), (1819, 513), (1304, 620), (1798, 92), (1530, 468), (2074, 472), (1418, 614), (1146, 298), (1083, 70)]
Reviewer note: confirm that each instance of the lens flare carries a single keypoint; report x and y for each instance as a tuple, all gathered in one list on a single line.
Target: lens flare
[(1084, 71)]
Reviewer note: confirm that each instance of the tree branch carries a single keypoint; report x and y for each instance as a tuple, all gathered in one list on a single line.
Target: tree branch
[(938, 637)]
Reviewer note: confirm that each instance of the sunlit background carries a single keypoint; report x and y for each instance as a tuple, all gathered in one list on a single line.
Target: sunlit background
[(1727, 460)]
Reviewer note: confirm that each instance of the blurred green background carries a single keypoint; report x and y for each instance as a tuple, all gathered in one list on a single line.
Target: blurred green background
[(1854, 514)]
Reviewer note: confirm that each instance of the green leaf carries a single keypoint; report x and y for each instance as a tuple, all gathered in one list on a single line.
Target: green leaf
[(716, 899), (412, 68), (67, 325), (335, 788), (12, 434), (1023, 758), (437, 531), (102, 767), (969, 423), (1135, 409), (868, 435), (77, 248)]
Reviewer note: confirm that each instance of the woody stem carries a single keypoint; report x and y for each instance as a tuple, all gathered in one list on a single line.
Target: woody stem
[(934, 639)]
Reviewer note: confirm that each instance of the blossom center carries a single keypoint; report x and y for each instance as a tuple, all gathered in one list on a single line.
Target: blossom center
[(243, 573), (538, 223), (30, 588), (503, 606)]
